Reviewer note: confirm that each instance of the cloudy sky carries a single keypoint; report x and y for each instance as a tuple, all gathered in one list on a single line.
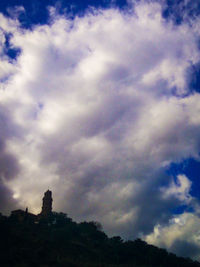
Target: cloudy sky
[(100, 102)]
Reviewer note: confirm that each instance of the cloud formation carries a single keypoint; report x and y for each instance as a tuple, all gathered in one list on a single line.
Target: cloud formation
[(96, 110), (181, 235)]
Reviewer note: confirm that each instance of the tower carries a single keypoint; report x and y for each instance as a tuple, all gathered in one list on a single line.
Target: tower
[(47, 203)]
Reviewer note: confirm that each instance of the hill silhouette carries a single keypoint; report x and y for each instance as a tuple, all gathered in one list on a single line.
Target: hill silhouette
[(56, 240)]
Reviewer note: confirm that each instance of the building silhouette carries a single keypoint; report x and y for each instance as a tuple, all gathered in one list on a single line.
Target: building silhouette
[(24, 215), (47, 203)]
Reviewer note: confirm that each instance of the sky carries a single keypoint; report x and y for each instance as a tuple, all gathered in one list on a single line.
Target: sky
[(100, 103)]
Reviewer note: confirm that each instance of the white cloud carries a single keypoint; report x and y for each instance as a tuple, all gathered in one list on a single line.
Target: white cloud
[(99, 110), (179, 190), (181, 236)]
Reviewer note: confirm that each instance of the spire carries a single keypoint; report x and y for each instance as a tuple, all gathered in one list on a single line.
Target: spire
[(47, 203)]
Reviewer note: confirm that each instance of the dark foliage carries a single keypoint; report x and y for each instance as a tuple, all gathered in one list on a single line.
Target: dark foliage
[(58, 241)]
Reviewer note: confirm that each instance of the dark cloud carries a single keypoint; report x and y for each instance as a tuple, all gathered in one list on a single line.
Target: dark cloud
[(7, 202), (9, 167), (185, 249)]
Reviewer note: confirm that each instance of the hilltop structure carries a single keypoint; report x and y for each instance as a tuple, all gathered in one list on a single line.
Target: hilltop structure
[(24, 215), (47, 203)]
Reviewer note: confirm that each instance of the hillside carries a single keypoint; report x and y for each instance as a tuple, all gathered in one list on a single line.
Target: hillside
[(57, 240)]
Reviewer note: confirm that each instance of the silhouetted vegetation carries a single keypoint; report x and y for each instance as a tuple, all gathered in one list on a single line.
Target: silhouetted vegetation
[(56, 240)]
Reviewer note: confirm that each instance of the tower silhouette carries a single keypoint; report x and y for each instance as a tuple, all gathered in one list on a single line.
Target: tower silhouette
[(47, 203)]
